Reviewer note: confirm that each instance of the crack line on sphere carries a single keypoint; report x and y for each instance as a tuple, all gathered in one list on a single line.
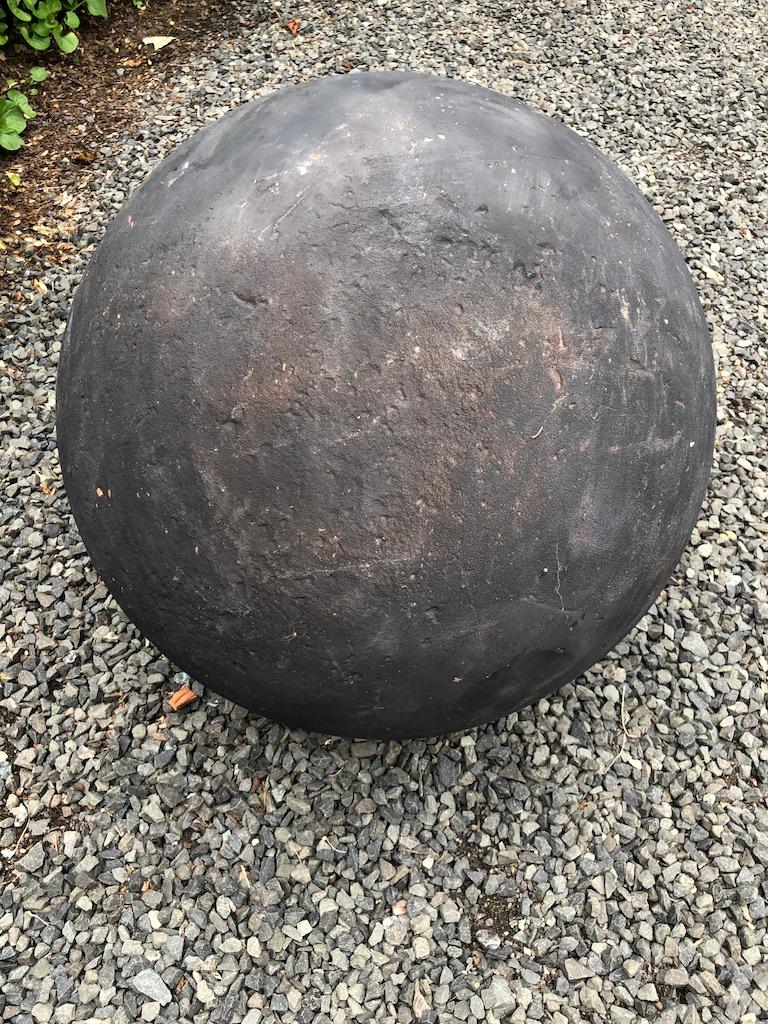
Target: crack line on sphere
[(557, 581)]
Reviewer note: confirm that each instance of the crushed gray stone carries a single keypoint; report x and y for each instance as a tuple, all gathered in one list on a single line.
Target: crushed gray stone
[(150, 984), (600, 856)]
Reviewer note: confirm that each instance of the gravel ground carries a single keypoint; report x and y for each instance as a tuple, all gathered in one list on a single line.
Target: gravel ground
[(599, 857)]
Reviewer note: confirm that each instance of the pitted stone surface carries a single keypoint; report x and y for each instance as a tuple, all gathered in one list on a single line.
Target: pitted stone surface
[(386, 405)]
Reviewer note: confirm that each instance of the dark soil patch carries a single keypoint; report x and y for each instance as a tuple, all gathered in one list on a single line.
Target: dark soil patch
[(58, 820), (6, 722), (500, 914), (474, 854), (91, 95)]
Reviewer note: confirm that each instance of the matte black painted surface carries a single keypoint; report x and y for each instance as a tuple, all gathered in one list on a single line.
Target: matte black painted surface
[(386, 405)]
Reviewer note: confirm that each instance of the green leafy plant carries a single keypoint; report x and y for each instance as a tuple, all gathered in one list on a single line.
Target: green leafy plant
[(16, 111), (43, 22)]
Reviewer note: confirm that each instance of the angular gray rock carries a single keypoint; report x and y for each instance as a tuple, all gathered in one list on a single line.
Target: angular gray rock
[(148, 983)]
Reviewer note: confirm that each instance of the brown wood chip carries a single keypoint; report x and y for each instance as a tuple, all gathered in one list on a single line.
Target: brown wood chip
[(182, 697)]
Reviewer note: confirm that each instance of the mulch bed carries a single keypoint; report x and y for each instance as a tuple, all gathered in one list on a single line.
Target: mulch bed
[(100, 86)]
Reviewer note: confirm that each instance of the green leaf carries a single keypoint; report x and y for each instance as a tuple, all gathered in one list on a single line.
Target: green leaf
[(10, 82), (97, 7), (38, 74), (41, 42), (10, 141), (45, 13), (11, 118), (13, 178), (21, 102), (66, 41), (71, 19), (17, 12)]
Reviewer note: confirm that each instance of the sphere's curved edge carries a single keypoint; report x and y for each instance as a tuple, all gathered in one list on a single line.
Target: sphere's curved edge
[(523, 425)]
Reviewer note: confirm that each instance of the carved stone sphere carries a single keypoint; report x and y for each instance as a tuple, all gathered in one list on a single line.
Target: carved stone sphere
[(386, 405)]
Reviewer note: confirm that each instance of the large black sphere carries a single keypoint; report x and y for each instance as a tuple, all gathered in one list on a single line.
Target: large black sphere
[(386, 405)]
